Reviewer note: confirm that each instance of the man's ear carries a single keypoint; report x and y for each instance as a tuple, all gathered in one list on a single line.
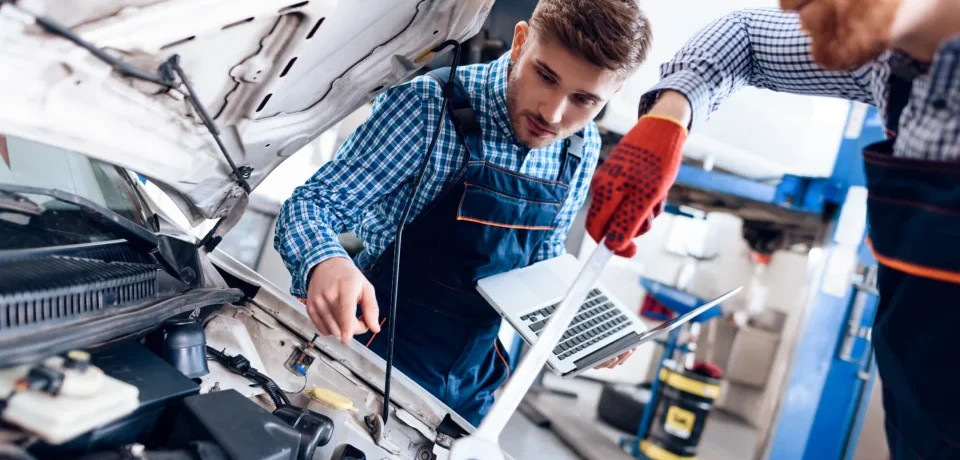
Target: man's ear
[(520, 35)]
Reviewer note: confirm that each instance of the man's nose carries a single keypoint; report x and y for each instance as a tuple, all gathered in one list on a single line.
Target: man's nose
[(551, 110)]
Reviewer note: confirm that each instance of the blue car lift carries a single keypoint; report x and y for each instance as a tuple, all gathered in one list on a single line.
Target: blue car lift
[(832, 370)]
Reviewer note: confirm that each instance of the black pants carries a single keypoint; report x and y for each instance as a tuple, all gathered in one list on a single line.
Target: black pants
[(917, 341)]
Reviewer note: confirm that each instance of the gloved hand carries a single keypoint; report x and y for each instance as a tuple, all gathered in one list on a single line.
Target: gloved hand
[(630, 186)]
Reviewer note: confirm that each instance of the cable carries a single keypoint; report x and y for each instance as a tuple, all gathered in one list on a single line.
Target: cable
[(302, 387), (271, 387), (240, 365), (448, 89)]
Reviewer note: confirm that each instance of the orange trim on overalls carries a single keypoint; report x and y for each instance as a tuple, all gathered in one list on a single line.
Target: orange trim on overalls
[(505, 363), (495, 224), (914, 269)]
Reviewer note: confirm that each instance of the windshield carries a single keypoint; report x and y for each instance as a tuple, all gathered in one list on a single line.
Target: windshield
[(28, 163)]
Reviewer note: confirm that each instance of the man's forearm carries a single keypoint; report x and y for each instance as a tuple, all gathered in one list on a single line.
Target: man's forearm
[(306, 235), (674, 105)]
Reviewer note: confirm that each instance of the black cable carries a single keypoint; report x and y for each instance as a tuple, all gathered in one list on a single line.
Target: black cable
[(240, 365), (269, 386), (302, 387), (285, 392), (391, 328)]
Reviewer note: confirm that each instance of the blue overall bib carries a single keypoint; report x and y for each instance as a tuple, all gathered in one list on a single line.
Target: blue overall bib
[(486, 221), (914, 219)]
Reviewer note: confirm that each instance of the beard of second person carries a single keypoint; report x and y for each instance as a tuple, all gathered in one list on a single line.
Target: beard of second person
[(846, 34)]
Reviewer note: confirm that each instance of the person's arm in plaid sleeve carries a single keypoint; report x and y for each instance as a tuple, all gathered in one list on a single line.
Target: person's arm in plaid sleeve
[(377, 159), (764, 48)]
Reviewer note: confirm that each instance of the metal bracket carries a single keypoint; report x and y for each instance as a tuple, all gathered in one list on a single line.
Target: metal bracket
[(375, 425)]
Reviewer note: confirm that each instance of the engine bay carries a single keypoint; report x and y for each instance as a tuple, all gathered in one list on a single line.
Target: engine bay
[(122, 334), (212, 380)]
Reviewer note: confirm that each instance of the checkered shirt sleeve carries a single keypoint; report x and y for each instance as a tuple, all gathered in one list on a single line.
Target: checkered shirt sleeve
[(371, 164), (764, 48)]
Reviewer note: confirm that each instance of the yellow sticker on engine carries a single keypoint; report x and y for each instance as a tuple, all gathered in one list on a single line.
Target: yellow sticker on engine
[(679, 422)]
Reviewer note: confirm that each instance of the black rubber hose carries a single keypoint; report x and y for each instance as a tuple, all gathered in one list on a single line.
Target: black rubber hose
[(395, 279)]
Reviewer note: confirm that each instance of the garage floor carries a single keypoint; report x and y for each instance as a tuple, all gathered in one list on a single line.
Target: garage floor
[(725, 438)]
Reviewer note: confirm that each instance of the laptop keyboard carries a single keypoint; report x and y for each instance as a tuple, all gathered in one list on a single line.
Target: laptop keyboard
[(597, 319)]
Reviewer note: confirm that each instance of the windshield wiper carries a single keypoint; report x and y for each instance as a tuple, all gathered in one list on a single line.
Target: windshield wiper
[(138, 237), (15, 202)]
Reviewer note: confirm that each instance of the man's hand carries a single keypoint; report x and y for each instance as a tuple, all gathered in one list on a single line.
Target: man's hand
[(617, 361), (630, 186), (336, 288)]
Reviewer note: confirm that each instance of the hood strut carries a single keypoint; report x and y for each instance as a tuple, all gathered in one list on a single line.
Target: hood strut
[(242, 173), (165, 79)]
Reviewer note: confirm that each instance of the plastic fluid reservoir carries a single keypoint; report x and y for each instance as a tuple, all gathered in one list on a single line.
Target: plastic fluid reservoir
[(85, 398), (331, 404)]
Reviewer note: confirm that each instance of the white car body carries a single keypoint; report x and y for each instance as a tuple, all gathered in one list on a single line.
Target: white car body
[(273, 75)]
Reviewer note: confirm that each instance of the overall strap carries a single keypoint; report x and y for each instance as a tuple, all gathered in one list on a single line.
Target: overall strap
[(897, 100), (572, 154), (464, 117)]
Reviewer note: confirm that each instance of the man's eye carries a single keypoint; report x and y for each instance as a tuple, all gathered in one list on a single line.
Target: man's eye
[(545, 77), (583, 100)]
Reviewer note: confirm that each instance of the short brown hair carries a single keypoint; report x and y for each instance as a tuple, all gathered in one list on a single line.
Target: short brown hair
[(611, 34)]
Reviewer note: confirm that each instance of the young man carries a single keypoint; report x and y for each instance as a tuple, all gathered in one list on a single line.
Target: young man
[(500, 193), (902, 56)]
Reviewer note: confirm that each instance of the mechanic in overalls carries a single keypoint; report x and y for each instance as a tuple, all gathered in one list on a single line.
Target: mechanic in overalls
[(902, 56), (511, 169)]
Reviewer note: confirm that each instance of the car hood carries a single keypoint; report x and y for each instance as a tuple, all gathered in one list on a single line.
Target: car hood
[(273, 75)]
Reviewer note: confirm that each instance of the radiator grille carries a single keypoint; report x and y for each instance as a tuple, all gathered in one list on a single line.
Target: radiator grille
[(40, 290), (117, 253)]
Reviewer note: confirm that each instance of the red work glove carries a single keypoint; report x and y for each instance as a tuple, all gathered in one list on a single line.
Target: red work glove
[(630, 186)]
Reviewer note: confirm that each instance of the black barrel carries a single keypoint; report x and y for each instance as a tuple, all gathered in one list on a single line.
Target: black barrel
[(683, 405)]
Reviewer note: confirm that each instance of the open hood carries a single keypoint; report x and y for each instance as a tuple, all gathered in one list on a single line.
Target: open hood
[(273, 75)]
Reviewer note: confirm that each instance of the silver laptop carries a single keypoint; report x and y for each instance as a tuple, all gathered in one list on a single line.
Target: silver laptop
[(603, 327)]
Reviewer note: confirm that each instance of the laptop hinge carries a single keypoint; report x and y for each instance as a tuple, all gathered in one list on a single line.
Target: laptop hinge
[(609, 351)]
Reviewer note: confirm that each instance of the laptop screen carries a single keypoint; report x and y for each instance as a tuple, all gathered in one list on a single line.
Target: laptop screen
[(668, 326)]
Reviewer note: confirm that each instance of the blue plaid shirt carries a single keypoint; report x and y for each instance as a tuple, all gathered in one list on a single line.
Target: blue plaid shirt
[(365, 188), (766, 48)]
